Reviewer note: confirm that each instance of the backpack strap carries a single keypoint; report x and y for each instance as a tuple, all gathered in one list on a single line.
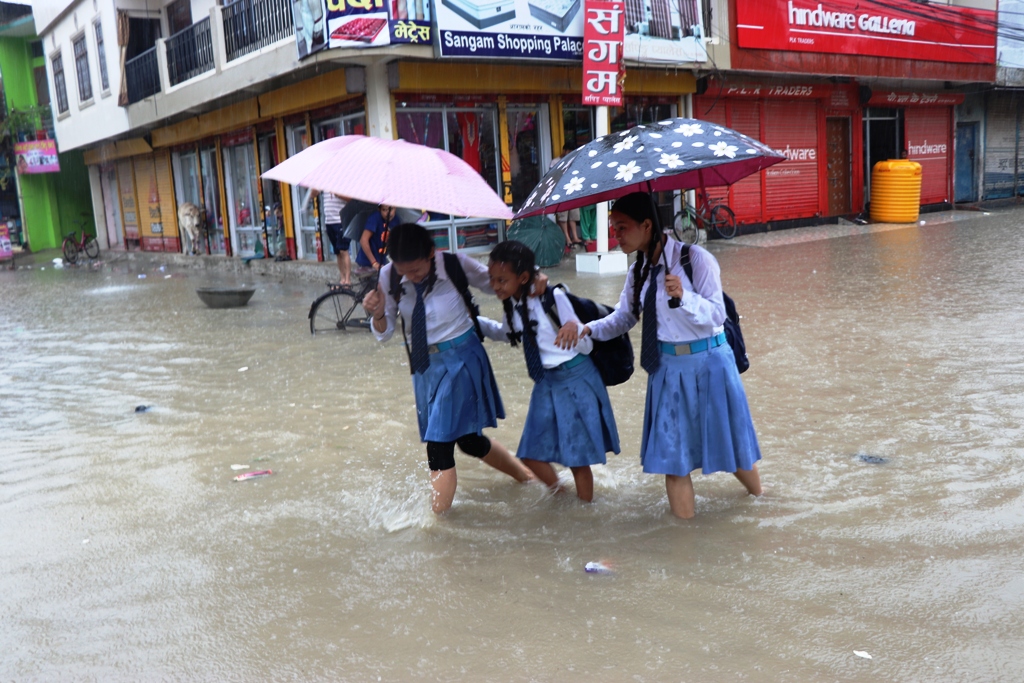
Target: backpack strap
[(684, 258), (457, 275), (547, 301)]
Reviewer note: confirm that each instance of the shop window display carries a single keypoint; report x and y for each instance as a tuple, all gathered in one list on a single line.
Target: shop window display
[(471, 134), (211, 199), (243, 203)]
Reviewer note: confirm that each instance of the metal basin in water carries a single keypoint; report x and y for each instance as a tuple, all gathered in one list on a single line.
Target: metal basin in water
[(225, 297)]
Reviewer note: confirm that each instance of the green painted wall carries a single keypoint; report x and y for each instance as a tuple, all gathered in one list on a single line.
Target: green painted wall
[(53, 203)]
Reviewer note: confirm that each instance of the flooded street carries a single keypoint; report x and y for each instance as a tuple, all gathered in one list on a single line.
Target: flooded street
[(886, 384)]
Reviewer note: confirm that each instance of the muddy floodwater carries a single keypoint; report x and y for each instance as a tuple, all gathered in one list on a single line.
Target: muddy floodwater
[(886, 385)]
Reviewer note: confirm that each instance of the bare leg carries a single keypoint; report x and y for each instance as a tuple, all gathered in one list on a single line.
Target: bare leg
[(584, 478), (680, 495), (565, 231), (500, 459), (545, 472), (444, 483), (573, 228), (750, 479), (344, 268)]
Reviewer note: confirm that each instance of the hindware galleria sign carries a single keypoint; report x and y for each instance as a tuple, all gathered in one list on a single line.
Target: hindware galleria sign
[(896, 28)]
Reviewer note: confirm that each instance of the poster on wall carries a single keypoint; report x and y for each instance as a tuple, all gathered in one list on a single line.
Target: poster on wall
[(519, 29), (901, 29), (665, 31), (602, 53), (37, 156), (328, 24)]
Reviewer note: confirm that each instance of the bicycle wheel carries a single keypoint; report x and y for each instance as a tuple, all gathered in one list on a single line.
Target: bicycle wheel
[(723, 220), (684, 226), (331, 311), (70, 250), (92, 247)]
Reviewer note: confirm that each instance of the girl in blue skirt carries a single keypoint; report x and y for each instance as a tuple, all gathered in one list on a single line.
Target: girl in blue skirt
[(696, 415), (570, 420), (456, 394)]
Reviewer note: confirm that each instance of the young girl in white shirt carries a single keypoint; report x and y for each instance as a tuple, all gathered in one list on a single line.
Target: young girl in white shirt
[(456, 393), (570, 420), (696, 415)]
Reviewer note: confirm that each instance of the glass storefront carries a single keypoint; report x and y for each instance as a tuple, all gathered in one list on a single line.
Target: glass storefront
[(186, 190), (353, 123), (243, 199), (303, 205), (470, 133), (211, 199), (529, 148), (273, 211), (577, 125)]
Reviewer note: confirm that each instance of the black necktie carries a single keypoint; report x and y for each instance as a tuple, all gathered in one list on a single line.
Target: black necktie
[(650, 354), (530, 349), (420, 354)]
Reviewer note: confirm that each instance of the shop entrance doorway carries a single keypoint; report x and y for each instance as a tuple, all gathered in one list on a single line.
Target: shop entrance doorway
[(883, 139), (965, 181), (839, 161), (111, 205), (273, 212), (529, 149)]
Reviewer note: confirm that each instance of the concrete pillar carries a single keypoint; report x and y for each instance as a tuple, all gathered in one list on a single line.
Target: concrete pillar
[(601, 224), (220, 51), (161, 65), (99, 214), (378, 101)]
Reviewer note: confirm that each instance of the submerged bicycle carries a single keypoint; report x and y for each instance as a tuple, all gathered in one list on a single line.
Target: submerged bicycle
[(341, 308)]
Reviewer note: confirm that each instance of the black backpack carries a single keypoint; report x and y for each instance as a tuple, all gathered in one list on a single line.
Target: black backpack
[(733, 333), (613, 358), (457, 275)]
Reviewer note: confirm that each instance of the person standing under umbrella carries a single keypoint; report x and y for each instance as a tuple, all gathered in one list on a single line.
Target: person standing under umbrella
[(696, 414), (373, 243), (456, 393), (333, 206)]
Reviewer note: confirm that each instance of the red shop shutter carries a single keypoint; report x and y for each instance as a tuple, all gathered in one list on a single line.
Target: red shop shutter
[(791, 188), (745, 199), (928, 143)]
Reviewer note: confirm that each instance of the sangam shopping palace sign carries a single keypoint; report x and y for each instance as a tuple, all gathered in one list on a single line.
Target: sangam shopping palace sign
[(901, 29)]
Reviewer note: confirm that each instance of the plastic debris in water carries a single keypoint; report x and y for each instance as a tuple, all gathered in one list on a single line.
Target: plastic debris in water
[(597, 568), (253, 475), (872, 459), (862, 654), (243, 369), (142, 409), (239, 467), (142, 276)]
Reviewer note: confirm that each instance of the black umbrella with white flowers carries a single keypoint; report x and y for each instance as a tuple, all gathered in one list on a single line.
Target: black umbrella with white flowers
[(674, 154)]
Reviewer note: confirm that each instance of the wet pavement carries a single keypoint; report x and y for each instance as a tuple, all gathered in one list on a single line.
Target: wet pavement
[(885, 384)]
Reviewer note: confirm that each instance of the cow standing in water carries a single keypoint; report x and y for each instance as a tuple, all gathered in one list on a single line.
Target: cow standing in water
[(190, 219)]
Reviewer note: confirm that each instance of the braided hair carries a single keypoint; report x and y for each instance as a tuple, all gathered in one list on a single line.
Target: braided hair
[(639, 206), (521, 260), (410, 242)]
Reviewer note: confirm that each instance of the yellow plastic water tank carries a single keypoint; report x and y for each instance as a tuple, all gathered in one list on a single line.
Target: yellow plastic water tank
[(896, 191)]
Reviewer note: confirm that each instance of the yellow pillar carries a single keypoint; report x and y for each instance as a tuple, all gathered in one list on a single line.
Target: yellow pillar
[(506, 165)]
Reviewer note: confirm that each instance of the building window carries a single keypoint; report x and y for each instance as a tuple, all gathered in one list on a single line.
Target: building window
[(35, 49), (82, 69), (101, 55), (58, 84)]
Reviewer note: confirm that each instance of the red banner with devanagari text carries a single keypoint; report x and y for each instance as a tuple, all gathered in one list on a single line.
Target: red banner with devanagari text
[(604, 30)]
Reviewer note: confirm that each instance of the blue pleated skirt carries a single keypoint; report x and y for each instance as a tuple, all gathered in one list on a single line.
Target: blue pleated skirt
[(570, 421), (458, 394), (697, 417)]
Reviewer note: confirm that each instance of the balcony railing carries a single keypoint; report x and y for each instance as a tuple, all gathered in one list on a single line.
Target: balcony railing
[(250, 25), (143, 76), (190, 52)]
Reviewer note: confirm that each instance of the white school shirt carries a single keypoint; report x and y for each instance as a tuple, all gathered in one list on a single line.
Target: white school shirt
[(447, 316), (701, 314), (550, 355)]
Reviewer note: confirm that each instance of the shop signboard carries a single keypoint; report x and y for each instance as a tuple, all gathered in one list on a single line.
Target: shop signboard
[(900, 29), (37, 156), (665, 31), (325, 24), (603, 33), (527, 29), (895, 98)]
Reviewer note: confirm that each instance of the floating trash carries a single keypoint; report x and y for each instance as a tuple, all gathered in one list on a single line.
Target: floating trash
[(862, 654), (239, 467), (142, 276), (243, 369), (872, 459), (253, 475), (597, 568), (142, 409)]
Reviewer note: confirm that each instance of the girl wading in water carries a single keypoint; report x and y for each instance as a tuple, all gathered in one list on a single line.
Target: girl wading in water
[(456, 394), (696, 415)]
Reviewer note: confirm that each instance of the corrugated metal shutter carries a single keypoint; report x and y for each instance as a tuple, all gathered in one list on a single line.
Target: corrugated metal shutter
[(1000, 145), (129, 210), (791, 188), (929, 144), (151, 227), (745, 197)]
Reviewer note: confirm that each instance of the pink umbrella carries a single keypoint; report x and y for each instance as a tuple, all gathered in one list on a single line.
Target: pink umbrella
[(392, 172)]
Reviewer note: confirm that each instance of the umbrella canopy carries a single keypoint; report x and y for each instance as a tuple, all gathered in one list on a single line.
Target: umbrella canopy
[(392, 172), (674, 154), (542, 236)]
